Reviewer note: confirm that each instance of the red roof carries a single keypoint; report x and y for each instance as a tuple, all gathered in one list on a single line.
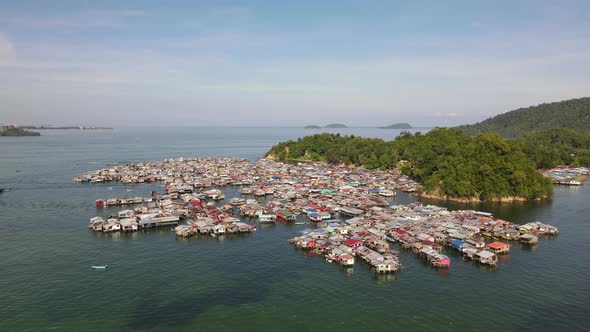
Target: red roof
[(400, 231), (352, 242), (497, 245)]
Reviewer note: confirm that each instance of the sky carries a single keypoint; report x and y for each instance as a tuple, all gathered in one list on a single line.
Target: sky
[(287, 63)]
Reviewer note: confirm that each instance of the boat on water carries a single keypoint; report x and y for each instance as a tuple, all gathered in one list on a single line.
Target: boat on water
[(237, 201), (99, 267), (386, 193)]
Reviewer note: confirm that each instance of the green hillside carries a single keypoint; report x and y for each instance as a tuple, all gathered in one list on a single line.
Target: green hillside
[(448, 163), (555, 147), (571, 114)]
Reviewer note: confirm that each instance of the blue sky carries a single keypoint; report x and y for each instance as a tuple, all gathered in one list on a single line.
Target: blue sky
[(243, 63)]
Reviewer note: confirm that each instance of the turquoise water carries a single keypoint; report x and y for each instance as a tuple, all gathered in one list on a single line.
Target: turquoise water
[(252, 282)]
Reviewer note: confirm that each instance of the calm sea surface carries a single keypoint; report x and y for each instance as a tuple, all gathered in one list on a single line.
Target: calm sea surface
[(256, 282)]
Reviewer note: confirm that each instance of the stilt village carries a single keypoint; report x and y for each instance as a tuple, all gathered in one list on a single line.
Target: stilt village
[(348, 209)]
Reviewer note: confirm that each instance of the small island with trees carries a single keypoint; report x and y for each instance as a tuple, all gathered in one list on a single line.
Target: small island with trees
[(312, 127), (11, 130), (336, 125), (397, 126), (65, 128)]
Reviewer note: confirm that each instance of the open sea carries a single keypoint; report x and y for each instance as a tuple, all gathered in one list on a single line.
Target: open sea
[(258, 281)]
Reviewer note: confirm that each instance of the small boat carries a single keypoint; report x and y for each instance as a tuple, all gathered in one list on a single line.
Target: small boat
[(99, 267)]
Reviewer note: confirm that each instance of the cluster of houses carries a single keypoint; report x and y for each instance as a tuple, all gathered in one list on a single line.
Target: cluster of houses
[(260, 178), (315, 193), (122, 201), (341, 242), (425, 230), (565, 175), (318, 191), (214, 227), (129, 221), (169, 209)]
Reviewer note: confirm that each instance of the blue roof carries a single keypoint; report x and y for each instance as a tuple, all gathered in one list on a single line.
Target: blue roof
[(457, 244)]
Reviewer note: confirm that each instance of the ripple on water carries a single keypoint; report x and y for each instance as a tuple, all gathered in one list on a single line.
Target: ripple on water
[(257, 281)]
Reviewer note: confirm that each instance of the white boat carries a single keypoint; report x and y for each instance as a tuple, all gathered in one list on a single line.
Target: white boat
[(387, 193)]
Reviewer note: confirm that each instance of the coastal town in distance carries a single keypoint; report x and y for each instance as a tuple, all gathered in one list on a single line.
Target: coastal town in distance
[(304, 166)]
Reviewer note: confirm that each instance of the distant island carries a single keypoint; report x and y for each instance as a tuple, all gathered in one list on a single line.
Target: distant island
[(312, 127), (571, 114), (397, 126), (336, 125), (14, 131), (64, 128)]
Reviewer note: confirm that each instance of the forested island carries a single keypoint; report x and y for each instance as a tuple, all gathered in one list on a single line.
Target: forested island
[(336, 125), (449, 164), (312, 127), (397, 126), (571, 114), (14, 131), (64, 128)]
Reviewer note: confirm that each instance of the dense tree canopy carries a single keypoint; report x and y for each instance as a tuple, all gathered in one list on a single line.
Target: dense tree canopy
[(555, 147), (571, 114), (445, 161)]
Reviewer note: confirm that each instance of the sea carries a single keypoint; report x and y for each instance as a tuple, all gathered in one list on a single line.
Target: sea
[(252, 282)]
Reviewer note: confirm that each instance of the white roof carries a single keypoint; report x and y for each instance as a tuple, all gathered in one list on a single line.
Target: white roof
[(485, 254)]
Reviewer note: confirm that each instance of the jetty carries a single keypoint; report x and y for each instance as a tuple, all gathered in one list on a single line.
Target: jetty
[(568, 176)]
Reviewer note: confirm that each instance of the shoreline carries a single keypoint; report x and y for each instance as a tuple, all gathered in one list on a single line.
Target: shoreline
[(464, 200)]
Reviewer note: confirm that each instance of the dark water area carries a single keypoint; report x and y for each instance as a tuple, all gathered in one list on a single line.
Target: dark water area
[(258, 281)]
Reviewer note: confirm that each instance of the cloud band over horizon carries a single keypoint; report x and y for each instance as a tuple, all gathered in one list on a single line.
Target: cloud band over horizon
[(267, 63)]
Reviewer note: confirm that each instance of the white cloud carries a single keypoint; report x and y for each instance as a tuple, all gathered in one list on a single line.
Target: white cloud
[(449, 87), (448, 114)]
